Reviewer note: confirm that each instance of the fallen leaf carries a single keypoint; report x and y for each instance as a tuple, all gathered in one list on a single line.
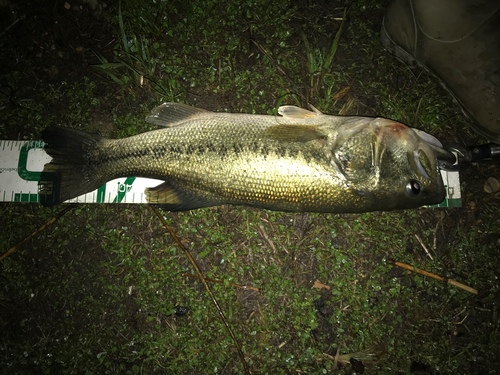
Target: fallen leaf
[(319, 285), (341, 93), (491, 185)]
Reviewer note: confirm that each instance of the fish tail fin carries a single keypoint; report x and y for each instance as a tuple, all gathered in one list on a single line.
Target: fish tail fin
[(70, 173)]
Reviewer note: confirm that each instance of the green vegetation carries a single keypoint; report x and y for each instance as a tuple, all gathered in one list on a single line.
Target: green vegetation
[(97, 292)]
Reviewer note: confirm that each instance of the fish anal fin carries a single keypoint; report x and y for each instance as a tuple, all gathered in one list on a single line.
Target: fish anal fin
[(162, 193), (172, 199), (172, 114), (294, 133)]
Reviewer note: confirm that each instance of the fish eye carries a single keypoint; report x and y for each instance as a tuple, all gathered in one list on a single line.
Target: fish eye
[(413, 188)]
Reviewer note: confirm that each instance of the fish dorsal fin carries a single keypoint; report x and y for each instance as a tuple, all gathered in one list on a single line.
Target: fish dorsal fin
[(294, 133), (168, 114), (294, 112)]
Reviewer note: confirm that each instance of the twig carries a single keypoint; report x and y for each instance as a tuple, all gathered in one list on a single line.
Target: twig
[(8, 27), (204, 281), (277, 236), (463, 320), (347, 106), (220, 282), (43, 227), (266, 237), (434, 276), (425, 248), (273, 61), (336, 360)]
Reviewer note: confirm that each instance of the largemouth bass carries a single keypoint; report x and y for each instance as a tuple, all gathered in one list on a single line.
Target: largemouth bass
[(299, 161)]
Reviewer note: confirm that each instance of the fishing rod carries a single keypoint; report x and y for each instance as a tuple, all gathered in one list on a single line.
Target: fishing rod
[(465, 156)]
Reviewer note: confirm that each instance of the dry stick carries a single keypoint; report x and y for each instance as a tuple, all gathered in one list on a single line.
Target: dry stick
[(204, 281), (434, 276), (266, 237), (273, 61), (220, 282), (425, 248), (336, 360), (12, 24), (43, 227)]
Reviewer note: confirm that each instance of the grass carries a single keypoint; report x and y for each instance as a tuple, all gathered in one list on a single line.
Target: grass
[(97, 292)]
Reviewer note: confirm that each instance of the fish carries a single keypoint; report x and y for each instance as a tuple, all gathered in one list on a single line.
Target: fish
[(297, 161)]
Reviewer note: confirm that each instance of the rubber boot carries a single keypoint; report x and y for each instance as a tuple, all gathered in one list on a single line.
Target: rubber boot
[(459, 42)]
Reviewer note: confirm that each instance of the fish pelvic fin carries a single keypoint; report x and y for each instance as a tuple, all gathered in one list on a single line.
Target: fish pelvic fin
[(172, 198), (173, 114), (68, 174)]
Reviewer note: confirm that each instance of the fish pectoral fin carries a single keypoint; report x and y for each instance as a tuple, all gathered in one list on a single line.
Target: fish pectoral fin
[(294, 133), (173, 199), (172, 114), (294, 112)]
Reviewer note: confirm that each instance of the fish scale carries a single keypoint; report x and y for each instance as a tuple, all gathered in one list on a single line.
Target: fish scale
[(301, 161)]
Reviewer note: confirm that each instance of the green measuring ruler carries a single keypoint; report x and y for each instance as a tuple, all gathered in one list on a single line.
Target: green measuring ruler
[(21, 163)]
